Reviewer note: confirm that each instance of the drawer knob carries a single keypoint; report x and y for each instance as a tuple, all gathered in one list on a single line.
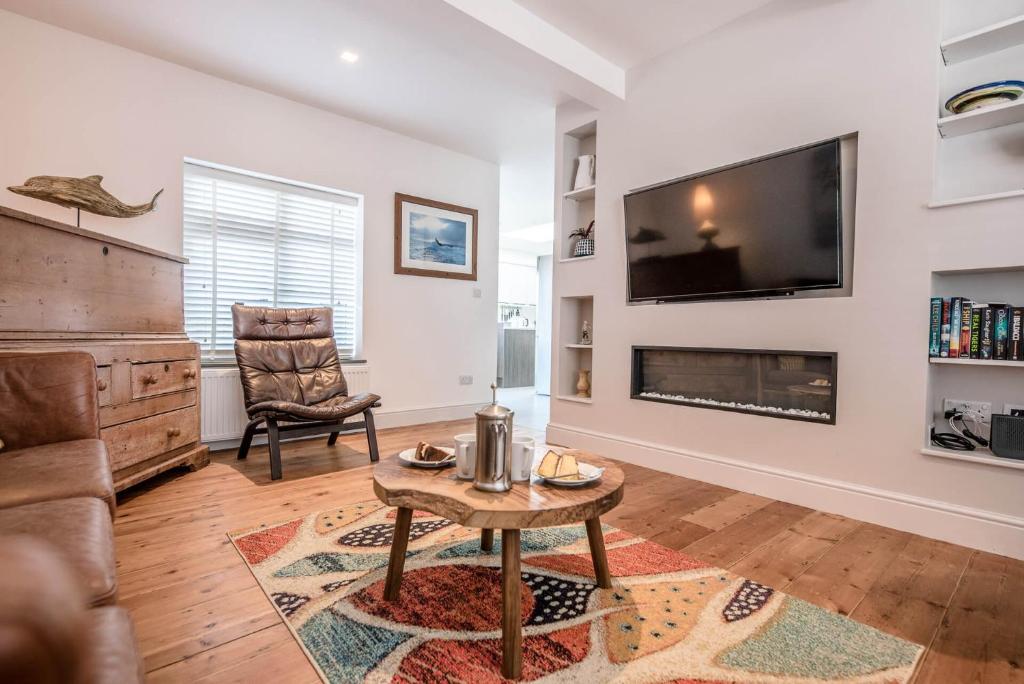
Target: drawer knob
[(149, 380), (190, 373), (173, 431), (101, 385)]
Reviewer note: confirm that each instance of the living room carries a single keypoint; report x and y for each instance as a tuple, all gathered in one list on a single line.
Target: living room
[(248, 288)]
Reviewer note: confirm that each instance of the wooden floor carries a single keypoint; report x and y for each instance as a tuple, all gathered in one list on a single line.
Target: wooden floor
[(200, 616)]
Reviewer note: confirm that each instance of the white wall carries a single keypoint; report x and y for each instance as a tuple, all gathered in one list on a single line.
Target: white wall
[(517, 277), (795, 72), (75, 106)]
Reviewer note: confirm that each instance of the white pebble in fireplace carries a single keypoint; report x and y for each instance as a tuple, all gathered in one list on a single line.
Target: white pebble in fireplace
[(680, 399)]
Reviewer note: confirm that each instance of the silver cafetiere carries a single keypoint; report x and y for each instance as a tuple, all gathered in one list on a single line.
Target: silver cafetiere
[(493, 447)]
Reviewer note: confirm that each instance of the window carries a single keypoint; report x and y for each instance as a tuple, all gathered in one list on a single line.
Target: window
[(267, 242)]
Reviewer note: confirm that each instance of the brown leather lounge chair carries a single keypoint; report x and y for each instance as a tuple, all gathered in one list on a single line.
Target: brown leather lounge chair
[(292, 379)]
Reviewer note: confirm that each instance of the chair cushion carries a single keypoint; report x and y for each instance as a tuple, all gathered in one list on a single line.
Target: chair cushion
[(56, 471), (81, 530), (113, 653), (331, 409), (296, 371)]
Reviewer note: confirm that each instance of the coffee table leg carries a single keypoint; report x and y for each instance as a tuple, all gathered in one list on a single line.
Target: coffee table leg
[(511, 621), (597, 552), (486, 540), (396, 562)]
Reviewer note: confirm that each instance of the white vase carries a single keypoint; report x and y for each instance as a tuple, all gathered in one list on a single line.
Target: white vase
[(586, 167)]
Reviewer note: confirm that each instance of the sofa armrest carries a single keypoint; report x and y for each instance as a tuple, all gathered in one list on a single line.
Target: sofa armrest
[(43, 617)]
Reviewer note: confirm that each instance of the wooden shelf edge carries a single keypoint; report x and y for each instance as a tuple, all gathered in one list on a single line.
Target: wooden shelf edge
[(938, 204), (984, 457), (995, 363)]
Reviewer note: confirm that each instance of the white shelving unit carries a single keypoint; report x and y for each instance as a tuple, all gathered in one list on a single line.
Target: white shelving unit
[(979, 456), (984, 41), (581, 194), (976, 362), (986, 118), (975, 198), (996, 382), (572, 355), (577, 209), (977, 153)]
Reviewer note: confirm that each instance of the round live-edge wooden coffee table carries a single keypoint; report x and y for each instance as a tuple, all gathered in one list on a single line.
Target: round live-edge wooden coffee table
[(528, 504)]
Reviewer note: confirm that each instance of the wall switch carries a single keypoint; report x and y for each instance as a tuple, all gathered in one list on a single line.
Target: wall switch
[(477, 293), (982, 407), (1014, 409), (465, 379)]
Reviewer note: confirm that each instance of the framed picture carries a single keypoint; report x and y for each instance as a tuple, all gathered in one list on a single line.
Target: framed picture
[(434, 238)]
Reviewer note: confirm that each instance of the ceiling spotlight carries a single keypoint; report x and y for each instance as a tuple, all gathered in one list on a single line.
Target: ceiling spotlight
[(349, 57)]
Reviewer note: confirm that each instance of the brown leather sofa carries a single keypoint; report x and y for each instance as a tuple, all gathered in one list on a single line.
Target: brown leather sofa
[(292, 379), (58, 578)]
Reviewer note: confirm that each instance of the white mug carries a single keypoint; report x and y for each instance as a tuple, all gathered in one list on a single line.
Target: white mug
[(522, 458), (465, 456)]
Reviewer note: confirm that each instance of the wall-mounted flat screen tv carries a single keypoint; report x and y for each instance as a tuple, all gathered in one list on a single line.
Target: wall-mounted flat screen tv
[(766, 227)]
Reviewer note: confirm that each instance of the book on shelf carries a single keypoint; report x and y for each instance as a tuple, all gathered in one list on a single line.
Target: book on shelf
[(986, 333), (962, 328), (1000, 330), (965, 328), (1016, 350), (976, 310), (936, 326), (954, 326), (944, 330)]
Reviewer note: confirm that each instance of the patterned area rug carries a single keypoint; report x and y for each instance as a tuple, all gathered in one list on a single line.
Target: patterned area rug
[(668, 617)]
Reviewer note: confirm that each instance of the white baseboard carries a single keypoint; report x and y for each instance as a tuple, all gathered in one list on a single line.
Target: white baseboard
[(383, 418), (973, 527)]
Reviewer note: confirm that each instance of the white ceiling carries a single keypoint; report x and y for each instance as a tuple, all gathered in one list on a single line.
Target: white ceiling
[(481, 77), (629, 32)]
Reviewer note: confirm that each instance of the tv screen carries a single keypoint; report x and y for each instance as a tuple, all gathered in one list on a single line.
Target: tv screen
[(764, 227)]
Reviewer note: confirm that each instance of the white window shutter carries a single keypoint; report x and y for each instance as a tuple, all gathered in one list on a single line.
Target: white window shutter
[(267, 243)]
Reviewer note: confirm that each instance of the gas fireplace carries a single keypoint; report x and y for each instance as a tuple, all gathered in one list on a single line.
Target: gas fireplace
[(798, 385)]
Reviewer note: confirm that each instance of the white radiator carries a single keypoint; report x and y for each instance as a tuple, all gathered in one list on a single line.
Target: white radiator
[(223, 411)]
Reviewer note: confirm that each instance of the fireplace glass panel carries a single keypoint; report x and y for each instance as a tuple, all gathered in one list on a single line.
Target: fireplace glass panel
[(797, 385)]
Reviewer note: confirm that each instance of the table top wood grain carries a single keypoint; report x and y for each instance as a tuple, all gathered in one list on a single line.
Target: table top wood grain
[(528, 504)]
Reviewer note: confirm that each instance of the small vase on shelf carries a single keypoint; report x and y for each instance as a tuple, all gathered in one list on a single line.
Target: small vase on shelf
[(583, 384)]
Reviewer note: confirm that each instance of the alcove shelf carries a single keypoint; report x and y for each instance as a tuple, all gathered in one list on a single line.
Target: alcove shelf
[(573, 356), (577, 205), (976, 362), (566, 260), (998, 382), (581, 194), (982, 119), (978, 456), (984, 41)]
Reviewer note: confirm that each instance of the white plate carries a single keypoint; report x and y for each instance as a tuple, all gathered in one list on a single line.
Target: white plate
[(590, 474), (408, 457)]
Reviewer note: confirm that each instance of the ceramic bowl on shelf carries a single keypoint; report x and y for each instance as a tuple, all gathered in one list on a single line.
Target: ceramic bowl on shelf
[(985, 95)]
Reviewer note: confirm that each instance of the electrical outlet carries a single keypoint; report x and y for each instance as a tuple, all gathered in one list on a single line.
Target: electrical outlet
[(465, 379), (1014, 409), (982, 407)]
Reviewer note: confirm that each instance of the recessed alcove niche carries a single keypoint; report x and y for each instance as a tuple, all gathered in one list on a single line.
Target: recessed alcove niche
[(796, 385)]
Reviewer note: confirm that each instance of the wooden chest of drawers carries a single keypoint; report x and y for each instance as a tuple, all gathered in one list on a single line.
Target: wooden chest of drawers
[(65, 288)]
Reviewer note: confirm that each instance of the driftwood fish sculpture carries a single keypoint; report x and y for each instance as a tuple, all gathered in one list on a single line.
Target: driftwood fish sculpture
[(81, 193)]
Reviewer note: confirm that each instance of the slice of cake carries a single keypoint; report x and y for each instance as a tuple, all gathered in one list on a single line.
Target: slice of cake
[(429, 454), (558, 466)]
